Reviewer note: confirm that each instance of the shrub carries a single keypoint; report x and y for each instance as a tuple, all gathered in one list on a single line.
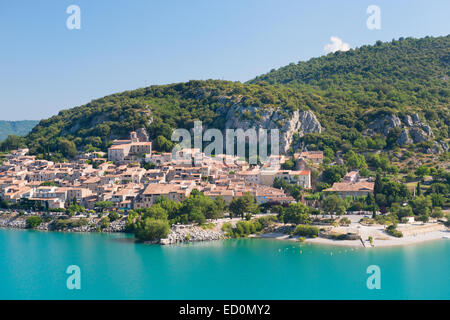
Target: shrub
[(391, 230), (81, 222), (306, 231), (152, 229), (341, 236), (344, 221), (33, 222), (104, 223), (424, 218), (227, 228), (62, 224), (390, 219), (266, 221), (113, 216), (242, 229), (437, 213), (208, 225)]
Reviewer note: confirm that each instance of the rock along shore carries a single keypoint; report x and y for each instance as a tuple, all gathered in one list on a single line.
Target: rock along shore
[(188, 233), (19, 222)]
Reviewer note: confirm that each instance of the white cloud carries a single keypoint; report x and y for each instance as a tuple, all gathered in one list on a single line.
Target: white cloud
[(336, 45)]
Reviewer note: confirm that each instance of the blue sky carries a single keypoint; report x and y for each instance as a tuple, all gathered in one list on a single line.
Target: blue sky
[(123, 45)]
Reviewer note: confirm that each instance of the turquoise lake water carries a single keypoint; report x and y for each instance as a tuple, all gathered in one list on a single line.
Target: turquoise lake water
[(33, 266)]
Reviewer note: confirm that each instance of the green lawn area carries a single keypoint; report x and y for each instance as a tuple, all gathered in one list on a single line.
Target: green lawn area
[(411, 185)]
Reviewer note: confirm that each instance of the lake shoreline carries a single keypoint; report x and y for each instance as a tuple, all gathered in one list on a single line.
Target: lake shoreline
[(114, 266), (391, 242), (405, 241)]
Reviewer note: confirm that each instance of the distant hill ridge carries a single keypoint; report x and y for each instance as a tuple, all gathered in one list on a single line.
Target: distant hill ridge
[(19, 128), (347, 92)]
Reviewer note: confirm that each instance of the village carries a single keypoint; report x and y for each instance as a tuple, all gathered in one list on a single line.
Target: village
[(119, 178), (131, 177)]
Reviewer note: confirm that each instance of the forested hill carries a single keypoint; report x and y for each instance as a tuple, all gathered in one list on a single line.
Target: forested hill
[(350, 93), (405, 70), (159, 109), (346, 89), (19, 128)]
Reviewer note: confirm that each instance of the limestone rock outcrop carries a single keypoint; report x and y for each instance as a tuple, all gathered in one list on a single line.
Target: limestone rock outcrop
[(414, 130), (404, 138), (418, 135), (297, 122), (383, 125)]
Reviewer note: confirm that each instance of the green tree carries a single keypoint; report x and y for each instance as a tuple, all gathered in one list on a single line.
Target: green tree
[(104, 223), (4, 204), (334, 205), (67, 148), (33, 222), (163, 144), (12, 142), (245, 204), (155, 212), (438, 200), (370, 200), (150, 229), (328, 152), (334, 173), (218, 209), (104, 205), (296, 213), (198, 207), (422, 171), (113, 216), (437, 212), (196, 215), (289, 164), (378, 186), (422, 205), (306, 231), (354, 161), (423, 218), (405, 211)]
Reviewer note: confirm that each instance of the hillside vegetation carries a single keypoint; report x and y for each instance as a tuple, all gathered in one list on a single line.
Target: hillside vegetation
[(347, 91), (157, 108), (19, 128)]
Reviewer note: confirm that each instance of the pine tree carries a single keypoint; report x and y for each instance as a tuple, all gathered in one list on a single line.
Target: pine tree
[(378, 184), (370, 199)]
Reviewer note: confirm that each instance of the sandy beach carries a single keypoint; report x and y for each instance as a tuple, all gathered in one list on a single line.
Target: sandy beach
[(436, 235), (413, 234)]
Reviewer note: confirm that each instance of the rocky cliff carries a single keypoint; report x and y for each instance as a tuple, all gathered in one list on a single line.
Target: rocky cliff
[(413, 130), (288, 123)]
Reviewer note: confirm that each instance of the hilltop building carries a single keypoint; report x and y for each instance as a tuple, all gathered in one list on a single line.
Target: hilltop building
[(123, 151), (351, 189)]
